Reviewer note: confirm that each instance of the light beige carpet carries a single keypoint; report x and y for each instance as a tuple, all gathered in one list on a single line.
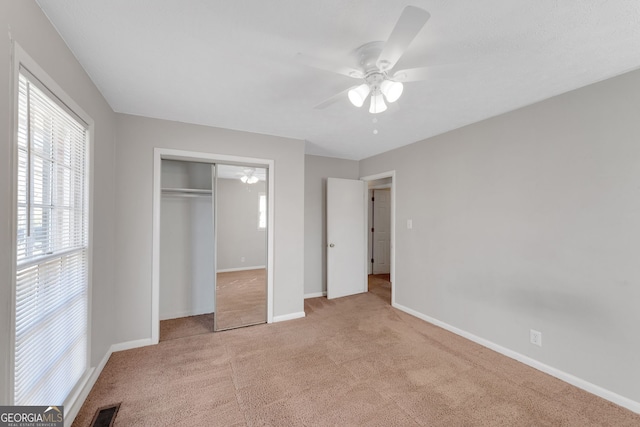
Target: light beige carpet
[(182, 327), (352, 361), (242, 300)]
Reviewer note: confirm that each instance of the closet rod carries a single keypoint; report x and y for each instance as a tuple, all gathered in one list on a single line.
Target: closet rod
[(186, 192)]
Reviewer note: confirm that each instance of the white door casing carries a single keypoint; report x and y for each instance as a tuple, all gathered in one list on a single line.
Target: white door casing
[(346, 237)]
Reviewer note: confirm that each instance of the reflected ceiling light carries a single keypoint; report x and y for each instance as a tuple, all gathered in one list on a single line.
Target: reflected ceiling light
[(249, 177)]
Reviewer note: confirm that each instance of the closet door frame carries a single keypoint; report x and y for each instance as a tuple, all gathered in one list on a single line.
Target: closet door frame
[(160, 154)]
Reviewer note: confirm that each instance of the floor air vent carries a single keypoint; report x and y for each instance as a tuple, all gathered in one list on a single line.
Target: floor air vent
[(105, 416)]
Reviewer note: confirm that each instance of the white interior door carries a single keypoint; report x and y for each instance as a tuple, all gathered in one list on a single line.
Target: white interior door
[(346, 237), (382, 231)]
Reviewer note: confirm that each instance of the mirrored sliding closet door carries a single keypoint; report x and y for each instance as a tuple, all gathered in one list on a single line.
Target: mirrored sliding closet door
[(240, 205)]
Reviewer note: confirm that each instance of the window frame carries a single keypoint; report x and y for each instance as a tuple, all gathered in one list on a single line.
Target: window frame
[(20, 59)]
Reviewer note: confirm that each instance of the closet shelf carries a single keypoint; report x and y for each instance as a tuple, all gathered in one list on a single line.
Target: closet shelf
[(186, 191)]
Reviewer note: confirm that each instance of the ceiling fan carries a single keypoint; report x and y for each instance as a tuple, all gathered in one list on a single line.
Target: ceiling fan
[(374, 65)]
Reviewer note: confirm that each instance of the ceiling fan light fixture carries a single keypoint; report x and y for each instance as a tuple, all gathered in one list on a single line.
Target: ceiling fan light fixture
[(358, 95), (377, 104), (391, 90), (249, 177)]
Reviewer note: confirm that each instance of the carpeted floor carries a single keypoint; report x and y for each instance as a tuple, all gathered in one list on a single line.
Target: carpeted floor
[(242, 300), (182, 327), (352, 361)]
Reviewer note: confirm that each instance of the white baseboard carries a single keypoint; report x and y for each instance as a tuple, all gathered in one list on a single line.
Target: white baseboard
[(315, 295), (71, 410), (254, 267), (625, 402), (289, 316), (128, 345)]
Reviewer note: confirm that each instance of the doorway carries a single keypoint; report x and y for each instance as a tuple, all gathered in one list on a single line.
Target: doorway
[(379, 240), (348, 260), (262, 210), (381, 235)]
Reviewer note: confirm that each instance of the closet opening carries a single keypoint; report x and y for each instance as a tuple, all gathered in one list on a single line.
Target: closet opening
[(187, 249), (212, 246)]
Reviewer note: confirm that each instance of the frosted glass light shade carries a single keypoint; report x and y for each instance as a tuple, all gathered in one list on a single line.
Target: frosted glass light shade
[(391, 90), (377, 104), (359, 94)]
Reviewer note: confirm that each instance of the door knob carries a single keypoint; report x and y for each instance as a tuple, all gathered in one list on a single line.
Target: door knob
[(331, 245)]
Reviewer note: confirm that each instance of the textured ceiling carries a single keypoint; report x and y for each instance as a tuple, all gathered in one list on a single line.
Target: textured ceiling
[(232, 64)]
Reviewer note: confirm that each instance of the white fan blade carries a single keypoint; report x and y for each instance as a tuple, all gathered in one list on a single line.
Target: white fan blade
[(407, 28), (432, 72), (335, 98), (412, 74), (329, 66)]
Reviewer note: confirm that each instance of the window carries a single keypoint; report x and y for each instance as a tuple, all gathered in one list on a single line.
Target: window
[(51, 287), (262, 211)]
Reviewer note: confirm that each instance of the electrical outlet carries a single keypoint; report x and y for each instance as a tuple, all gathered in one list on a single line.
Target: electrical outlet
[(535, 337), (241, 259)]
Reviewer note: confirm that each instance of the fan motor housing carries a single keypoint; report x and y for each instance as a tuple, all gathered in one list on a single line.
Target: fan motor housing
[(367, 57)]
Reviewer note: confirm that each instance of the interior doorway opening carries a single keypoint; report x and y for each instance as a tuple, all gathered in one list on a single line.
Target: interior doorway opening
[(380, 235)]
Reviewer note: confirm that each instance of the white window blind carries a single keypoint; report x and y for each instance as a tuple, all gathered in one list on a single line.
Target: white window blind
[(51, 248)]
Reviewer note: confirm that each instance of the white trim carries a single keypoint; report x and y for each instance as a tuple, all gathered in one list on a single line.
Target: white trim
[(315, 295), (255, 267), (8, 390), (172, 154), (128, 345), (564, 376), (71, 411), (389, 174), (380, 187), (289, 316)]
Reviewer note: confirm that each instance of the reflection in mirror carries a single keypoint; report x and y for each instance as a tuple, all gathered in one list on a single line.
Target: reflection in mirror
[(241, 242)]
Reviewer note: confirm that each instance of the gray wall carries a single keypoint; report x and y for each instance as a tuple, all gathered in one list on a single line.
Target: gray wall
[(32, 30), (186, 257), (237, 224), (317, 170), (531, 220), (136, 138)]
